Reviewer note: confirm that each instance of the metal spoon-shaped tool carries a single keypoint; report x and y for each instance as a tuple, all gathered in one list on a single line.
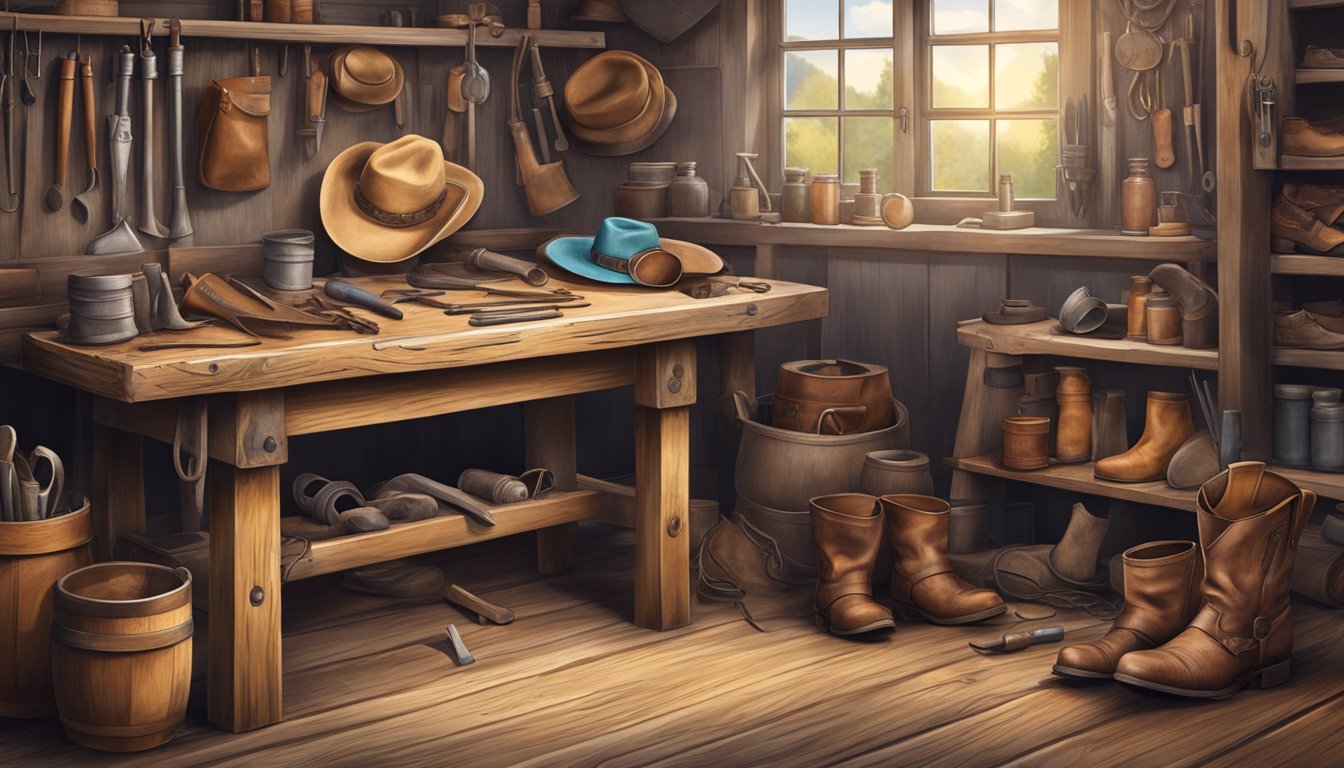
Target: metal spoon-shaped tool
[(475, 79)]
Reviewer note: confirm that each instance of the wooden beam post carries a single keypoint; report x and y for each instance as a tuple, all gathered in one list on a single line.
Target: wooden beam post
[(664, 394), (118, 486), (550, 436)]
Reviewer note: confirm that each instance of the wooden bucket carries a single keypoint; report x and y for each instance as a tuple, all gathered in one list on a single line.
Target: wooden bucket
[(121, 654), (33, 555)]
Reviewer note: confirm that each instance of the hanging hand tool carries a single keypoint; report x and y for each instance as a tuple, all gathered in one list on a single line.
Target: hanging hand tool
[(149, 72), (55, 197), (543, 91), (179, 219), (454, 106), (80, 205), (475, 83), (1110, 115), (32, 69), (1164, 152), (314, 104), (9, 92), (1192, 173), (121, 238)]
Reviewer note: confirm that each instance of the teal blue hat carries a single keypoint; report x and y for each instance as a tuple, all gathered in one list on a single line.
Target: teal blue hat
[(629, 252)]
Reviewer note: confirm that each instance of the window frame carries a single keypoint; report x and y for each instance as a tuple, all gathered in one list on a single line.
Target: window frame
[(912, 90)]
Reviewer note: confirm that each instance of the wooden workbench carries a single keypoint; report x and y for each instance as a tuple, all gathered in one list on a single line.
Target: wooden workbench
[(425, 365)]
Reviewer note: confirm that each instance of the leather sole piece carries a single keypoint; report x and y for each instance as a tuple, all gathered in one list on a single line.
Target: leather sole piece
[(1266, 677), (1081, 674), (912, 613), (874, 626), (1151, 479)]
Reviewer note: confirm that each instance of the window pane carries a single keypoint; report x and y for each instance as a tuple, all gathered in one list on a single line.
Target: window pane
[(960, 159), (1029, 149), (954, 17), (868, 76), (868, 143), (1026, 76), (961, 76), (867, 18), (1012, 15), (810, 19), (812, 143), (811, 80)]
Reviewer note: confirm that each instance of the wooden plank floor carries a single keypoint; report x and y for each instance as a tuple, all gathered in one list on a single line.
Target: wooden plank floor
[(572, 682)]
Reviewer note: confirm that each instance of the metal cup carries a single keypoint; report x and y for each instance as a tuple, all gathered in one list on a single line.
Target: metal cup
[(102, 310), (287, 259)]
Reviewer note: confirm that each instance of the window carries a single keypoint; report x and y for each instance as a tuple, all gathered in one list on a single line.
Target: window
[(991, 101), (939, 95), (838, 103)]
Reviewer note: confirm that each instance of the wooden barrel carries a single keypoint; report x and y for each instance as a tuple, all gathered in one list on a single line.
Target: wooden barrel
[(33, 555), (121, 654)]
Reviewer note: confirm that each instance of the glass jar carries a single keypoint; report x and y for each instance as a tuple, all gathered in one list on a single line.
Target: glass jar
[(795, 203), (1138, 198), (826, 198)]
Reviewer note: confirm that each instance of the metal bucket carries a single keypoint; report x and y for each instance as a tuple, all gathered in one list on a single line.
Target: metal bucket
[(287, 259), (102, 310)]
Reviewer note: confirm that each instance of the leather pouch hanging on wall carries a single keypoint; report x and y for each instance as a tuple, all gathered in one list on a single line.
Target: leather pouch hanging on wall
[(235, 155)]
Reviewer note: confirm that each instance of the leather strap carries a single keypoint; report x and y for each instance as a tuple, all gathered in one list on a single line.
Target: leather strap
[(631, 266), (390, 219)]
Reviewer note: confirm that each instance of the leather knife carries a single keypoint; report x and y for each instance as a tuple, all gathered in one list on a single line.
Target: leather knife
[(1016, 641)]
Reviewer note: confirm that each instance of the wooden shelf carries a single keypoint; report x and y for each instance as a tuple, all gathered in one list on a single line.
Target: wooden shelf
[(1327, 484), (1309, 358), (1301, 264), (332, 551), (1302, 5), (317, 34), (1078, 478), (1036, 339), (1037, 241), (1299, 163), (1314, 76)]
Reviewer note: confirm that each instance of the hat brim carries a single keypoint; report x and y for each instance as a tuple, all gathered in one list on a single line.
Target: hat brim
[(637, 145), (571, 254), (636, 129), (358, 235)]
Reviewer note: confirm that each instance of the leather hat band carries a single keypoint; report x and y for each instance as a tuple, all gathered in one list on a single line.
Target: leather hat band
[(390, 219), (631, 266)]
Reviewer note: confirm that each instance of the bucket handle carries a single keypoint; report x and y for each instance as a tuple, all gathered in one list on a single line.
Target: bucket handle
[(742, 405), (836, 414)]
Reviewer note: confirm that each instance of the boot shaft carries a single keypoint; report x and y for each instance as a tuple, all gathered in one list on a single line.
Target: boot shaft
[(916, 527), (1162, 588), (847, 532)]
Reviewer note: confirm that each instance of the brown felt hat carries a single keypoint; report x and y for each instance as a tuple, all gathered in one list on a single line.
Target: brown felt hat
[(364, 78), (388, 202), (616, 103)]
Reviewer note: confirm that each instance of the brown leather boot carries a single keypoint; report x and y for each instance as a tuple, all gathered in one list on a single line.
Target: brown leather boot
[(1073, 434), (923, 580), (1169, 425), (1250, 521), (1293, 229), (1325, 203), (847, 529), (1298, 137), (1300, 330), (1074, 559), (1161, 597)]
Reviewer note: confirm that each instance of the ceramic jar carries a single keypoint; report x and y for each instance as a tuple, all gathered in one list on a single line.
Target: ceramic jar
[(1041, 405), (1140, 286), (1162, 314), (1327, 436), (1292, 425), (688, 194), (895, 471), (1229, 439), (967, 526), (867, 202), (826, 199), (645, 192), (1138, 199), (1026, 442), (795, 204)]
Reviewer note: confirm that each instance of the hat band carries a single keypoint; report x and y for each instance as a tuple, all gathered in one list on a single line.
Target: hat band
[(391, 219), (630, 266)]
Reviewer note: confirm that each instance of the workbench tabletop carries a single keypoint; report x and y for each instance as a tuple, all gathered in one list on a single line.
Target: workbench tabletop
[(426, 339)]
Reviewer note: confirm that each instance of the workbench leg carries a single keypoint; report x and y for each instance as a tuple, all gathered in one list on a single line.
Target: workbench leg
[(244, 675), (118, 486), (664, 394), (737, 373), (550, 436), (980, 428)]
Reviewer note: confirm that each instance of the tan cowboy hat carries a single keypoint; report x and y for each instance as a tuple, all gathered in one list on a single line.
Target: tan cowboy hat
[(616, 103), (364, 78), (388, 202)]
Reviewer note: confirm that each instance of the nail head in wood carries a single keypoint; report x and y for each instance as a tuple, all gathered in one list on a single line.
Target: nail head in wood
[(257, 596), (269, 445), (674, 385), (752, 310), (214, 368), (674, 526)]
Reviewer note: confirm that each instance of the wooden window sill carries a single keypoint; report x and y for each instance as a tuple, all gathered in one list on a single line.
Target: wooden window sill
[(1037, 241)]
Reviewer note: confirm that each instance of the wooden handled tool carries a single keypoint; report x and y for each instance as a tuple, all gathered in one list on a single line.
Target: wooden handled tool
[(55, 198), (80, 205), (484, 610), (1164, 154)]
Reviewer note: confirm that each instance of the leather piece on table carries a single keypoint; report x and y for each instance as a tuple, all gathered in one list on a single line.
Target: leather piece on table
[(252, 313)]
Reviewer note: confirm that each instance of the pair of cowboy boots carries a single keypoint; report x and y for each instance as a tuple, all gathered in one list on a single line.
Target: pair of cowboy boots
[(1209, 635), (847, 530)]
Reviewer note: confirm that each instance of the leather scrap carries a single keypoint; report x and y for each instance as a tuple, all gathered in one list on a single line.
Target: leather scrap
[(247, 310)]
